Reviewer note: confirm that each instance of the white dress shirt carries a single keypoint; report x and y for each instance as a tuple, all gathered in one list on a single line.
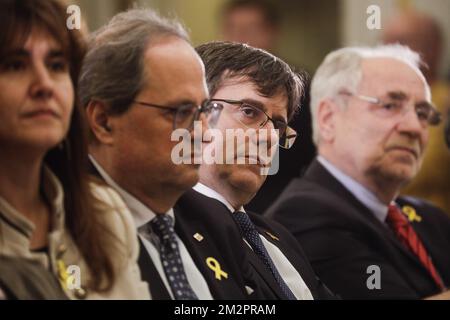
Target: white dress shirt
[(142, 215), (287, 271), (365, 196)]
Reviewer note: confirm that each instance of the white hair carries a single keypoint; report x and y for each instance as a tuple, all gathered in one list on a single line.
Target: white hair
[(341, 69)]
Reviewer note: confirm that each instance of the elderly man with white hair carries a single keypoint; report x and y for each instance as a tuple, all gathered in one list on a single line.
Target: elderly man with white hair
[(371, 111)]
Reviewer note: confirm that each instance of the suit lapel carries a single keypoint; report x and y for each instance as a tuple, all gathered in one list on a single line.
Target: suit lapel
[(194, 229), (316, 172), (151, 275)]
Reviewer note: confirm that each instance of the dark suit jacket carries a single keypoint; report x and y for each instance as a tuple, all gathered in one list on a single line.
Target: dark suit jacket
[(219, 242), (342, 238), (258, 275)]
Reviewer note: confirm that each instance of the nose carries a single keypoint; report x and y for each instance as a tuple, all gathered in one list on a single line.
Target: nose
[(411, 125), (204, 121), (42, 84)]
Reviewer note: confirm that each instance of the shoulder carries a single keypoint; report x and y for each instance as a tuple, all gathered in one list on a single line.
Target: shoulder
[(119, 222), (307, 204), (116, 217)]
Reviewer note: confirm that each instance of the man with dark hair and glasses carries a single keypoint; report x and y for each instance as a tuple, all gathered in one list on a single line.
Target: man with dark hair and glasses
[(372, 112), (259, 94), (141, 80)]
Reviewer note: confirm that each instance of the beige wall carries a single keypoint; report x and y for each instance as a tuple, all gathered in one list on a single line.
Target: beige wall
[(310, 28)]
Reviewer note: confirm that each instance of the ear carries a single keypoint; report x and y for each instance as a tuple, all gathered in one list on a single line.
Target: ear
[(326, 117), (100, 121)]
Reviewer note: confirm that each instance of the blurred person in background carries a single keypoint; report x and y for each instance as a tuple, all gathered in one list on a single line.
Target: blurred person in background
[(372, 113), (423, 34)]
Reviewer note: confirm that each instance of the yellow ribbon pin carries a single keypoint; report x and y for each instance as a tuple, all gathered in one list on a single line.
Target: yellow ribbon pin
[(214, 265), (64, 277), (411, 213)]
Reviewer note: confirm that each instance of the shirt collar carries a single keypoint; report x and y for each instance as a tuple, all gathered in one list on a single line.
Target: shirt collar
[(141, 213), (207, 191), (365, 196)]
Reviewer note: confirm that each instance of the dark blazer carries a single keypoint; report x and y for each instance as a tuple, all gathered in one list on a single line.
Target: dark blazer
[(221, 240), (342, 238), (258, 275), (218, 241)]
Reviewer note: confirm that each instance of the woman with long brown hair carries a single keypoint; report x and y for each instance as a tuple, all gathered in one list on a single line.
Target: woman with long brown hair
[(50, 210)]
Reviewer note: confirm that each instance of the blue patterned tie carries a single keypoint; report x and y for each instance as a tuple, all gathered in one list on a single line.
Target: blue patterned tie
[(162, 226), (253, 238)]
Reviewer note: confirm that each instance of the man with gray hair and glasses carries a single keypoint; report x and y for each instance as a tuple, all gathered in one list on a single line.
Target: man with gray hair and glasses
[(371, 115), (141, 80)]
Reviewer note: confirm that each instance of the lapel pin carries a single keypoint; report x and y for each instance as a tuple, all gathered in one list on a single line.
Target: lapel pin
[(272, 236), (198, 237), (411, 213), (214, 265)]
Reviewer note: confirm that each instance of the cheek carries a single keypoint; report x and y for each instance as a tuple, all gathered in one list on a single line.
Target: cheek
[(65, 96)]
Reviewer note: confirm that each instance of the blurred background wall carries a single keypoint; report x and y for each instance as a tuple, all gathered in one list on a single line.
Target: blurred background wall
[(309, 29)]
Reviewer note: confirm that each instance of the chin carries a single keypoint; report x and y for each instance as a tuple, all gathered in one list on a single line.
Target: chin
[(247, 179), (401, 173), (187, 175), (45, 141)]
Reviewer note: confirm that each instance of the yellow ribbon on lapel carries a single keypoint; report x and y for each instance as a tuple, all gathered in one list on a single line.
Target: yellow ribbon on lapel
[(214, 265), (411, 213)]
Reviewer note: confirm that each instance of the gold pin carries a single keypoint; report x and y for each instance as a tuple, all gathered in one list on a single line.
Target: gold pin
[(272, 236), (411, 213), (198, 237)]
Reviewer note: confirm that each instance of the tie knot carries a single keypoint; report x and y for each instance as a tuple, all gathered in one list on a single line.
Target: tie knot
[(395, 217), (162, 226)]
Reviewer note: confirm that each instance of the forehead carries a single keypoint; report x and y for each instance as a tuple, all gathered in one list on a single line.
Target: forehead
[(383, 75), (172, 63), (38, 41), (241, 88)]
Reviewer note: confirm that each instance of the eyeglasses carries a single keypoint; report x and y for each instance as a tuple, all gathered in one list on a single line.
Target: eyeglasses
[(186, 114), (393, 107), (256, 118)]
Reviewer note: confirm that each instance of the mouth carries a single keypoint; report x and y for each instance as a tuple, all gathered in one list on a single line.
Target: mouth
[(412, 151), (42, 112), (252, 160)]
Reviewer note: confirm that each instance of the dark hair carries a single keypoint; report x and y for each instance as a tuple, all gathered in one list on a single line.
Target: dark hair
[(268, 9), (113, 70), (17, 20), (271, 75)]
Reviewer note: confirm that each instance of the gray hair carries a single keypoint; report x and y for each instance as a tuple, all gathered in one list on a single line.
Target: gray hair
[(341, 69), (113, 69)]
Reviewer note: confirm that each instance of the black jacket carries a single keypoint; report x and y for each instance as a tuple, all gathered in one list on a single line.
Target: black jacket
[(253, 270), (342, 238)]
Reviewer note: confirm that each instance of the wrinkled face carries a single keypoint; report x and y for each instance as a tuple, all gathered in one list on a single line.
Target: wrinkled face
[(174, 75), (37, 95), (246, 177), (247, 25), (376, 146)]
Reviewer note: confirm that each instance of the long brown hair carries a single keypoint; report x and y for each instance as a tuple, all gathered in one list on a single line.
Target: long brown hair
[(17, 20)]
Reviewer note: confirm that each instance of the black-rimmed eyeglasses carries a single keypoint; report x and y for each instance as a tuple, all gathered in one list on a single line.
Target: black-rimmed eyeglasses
[(256, 118), (186, 114)]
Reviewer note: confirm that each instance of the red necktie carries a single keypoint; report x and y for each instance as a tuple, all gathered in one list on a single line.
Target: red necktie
[(406, 234)]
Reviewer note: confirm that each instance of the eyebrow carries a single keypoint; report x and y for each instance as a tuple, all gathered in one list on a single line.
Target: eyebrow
[(397, 95), (261, 106), (401, 96), (23, 53)]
